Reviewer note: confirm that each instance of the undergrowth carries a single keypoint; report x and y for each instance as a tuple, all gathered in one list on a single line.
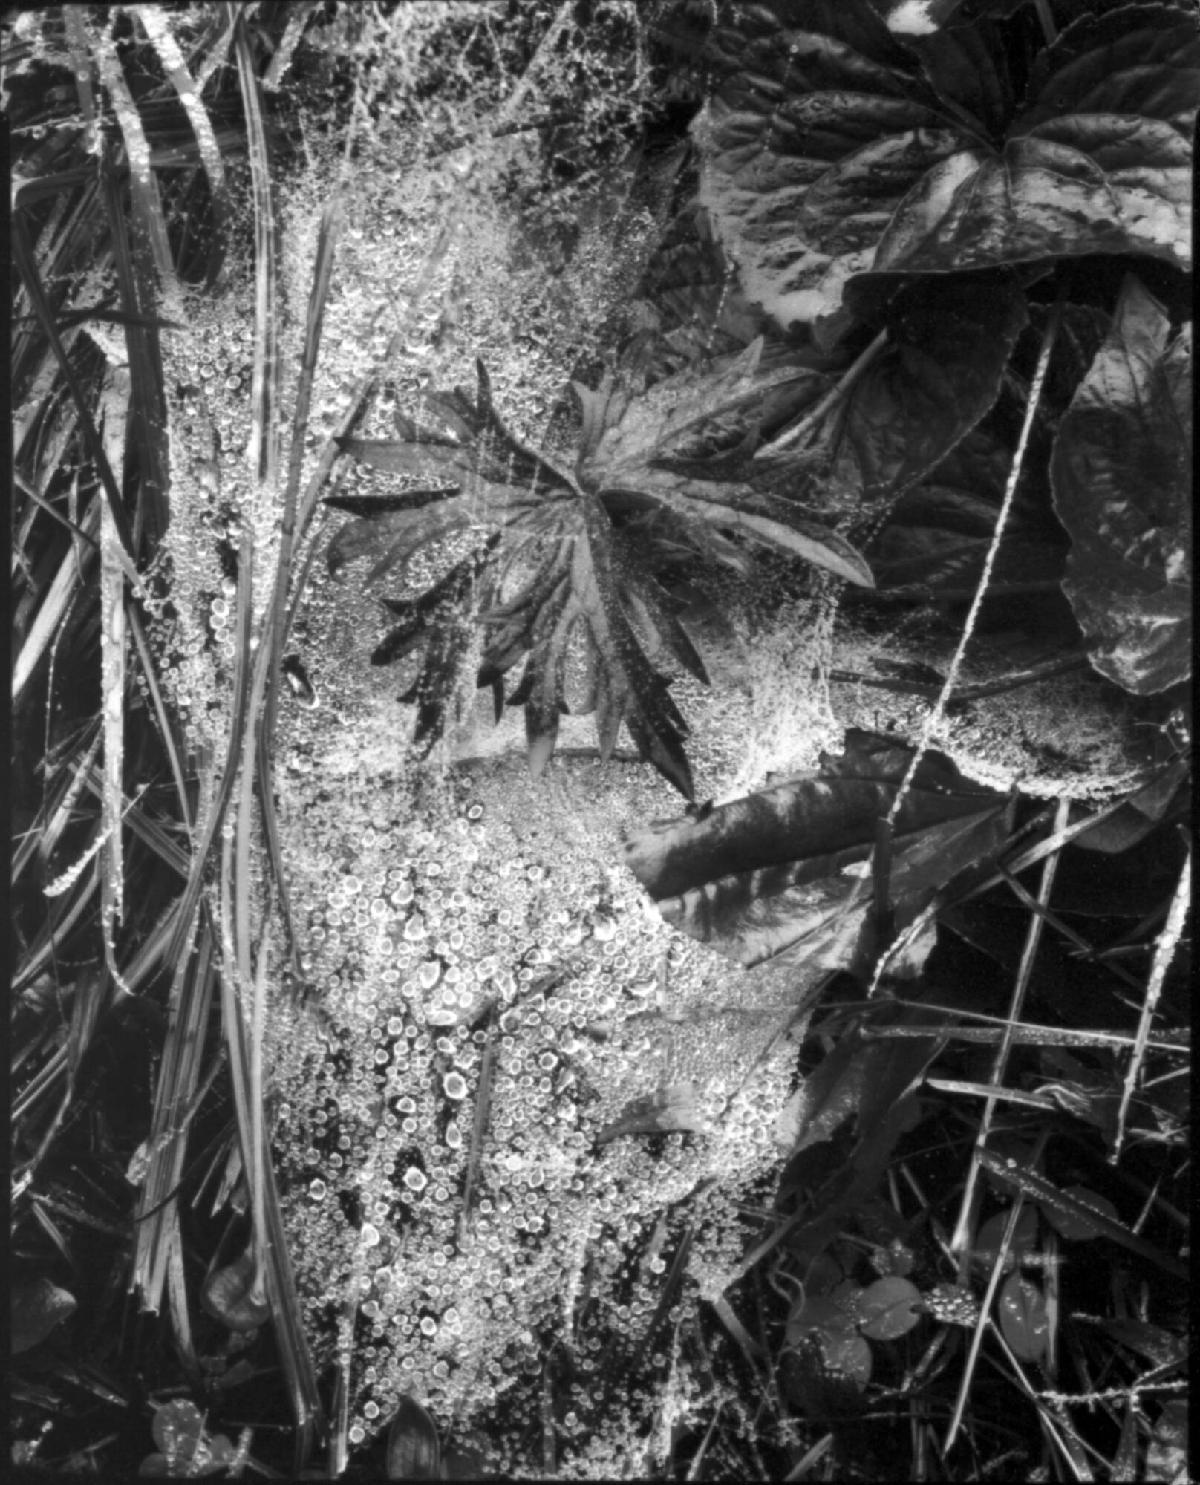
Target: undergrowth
[(784, 1075)]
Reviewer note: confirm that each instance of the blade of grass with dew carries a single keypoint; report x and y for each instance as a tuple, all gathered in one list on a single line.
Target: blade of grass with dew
[(135, 270), (213, 820), (157, 1215), (31, 280), (1023, 1180), (81, 67), (57, 926), (299, 16), (276, 622), (174, 857), (1030, 1034), (166, 727), (177, 1301), (58, 806), (157, 28), (144, 198), (263, 449), (1165, 948), (999, 1265), (1033, 936), (938, 710), (52, 609), (114, 413)]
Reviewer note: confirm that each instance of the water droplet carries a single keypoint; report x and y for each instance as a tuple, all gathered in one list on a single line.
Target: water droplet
[(454, 1085), (317, 1189)]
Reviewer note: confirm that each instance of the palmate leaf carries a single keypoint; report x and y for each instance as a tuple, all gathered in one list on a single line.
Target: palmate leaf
[(579, 581), (653, 446)]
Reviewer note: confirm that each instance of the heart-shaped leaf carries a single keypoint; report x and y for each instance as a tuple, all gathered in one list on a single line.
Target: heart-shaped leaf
[(832, 148)]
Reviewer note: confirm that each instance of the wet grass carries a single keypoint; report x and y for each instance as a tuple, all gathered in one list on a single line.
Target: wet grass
[(1037, 1066)]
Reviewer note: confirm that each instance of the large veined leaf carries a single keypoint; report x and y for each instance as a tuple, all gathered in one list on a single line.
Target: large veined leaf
[(781, 871), (818, 129), (938, 375), (1121, 473), (833, 148), (1097, 161)]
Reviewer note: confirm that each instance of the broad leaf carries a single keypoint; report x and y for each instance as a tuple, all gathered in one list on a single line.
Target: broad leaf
[(819, 127), (782, 869), (832, 148), (1121, 474), (1097, 161), (939, 374)]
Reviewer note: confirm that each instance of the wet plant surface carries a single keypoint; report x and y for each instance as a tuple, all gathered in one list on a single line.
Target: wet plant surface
[(601, 740)]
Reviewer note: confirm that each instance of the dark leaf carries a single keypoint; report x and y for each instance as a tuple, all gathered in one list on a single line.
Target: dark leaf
[(1139, 813), (413, 1448), (36, 1307), (575, 585), (1072, 1223), (1023, 1317), (1099, 160), (177, 1427), (948, 344), (781, 869), (964, 64), (833, 149), (1121, 473), (818, 129), (990, 1237), (398, 535), (825, 1099), (887, 1308)]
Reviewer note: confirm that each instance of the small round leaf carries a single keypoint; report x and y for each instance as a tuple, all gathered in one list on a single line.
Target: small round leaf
[(178, 1427), (887, 1308), (845, 1356)]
